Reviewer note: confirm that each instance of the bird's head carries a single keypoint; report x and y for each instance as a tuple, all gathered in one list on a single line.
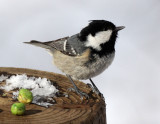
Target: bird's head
[(100, 35)]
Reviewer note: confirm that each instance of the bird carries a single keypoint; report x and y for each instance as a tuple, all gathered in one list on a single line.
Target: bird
[(86, 54)]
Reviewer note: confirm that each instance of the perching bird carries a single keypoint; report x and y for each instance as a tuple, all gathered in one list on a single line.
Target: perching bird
[(85, 54)]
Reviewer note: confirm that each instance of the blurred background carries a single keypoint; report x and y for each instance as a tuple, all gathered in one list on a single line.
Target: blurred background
[(131, 85)]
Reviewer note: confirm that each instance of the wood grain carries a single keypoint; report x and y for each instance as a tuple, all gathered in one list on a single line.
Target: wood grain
[(66, 110)]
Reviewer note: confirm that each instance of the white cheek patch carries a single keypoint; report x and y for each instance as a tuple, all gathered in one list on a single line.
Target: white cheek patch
[(100, 38)]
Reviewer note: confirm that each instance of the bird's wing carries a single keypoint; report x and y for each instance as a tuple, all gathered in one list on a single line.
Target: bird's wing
[(67, 45)]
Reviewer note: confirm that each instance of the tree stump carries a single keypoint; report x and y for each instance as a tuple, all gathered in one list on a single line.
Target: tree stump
[(66, 110)]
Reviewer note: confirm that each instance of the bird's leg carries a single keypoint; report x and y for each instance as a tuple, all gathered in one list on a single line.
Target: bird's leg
[(95, 89), (78, 91)]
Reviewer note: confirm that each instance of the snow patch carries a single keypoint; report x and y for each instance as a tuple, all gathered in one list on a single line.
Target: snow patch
[(41, 88), (2, 78)]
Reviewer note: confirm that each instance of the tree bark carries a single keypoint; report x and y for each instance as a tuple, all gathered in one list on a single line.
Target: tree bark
[(66, 110)]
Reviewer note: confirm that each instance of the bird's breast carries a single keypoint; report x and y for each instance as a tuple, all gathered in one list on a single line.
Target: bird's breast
[(99, 64), (77, 68)]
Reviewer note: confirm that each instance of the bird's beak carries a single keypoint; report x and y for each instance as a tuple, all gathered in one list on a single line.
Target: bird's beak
[(119, 28)]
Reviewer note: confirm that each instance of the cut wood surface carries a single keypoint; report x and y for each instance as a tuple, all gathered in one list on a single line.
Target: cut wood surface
[(66, 110)]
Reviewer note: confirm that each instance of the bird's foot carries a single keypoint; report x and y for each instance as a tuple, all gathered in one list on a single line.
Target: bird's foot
[(78, 91), (95, 90)]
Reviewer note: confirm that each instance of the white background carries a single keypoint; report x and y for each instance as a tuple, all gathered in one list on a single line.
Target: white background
[(131, 85)]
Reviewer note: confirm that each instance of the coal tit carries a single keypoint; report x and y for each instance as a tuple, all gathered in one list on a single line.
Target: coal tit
[(85, 54)]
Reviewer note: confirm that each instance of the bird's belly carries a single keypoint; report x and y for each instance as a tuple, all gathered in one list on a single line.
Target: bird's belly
[(76, 68)]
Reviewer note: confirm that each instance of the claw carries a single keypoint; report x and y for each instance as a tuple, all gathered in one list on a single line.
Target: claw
[(76, 89), (95, 89), (79, 92), (71, 89), (83, 94)]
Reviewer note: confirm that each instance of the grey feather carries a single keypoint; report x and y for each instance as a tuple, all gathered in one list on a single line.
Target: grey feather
[(38, 43), (71, 46), (74, 44), (57, 44)]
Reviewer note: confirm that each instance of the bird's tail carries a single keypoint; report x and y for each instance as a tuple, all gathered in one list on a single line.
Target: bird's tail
[(38, 43)]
